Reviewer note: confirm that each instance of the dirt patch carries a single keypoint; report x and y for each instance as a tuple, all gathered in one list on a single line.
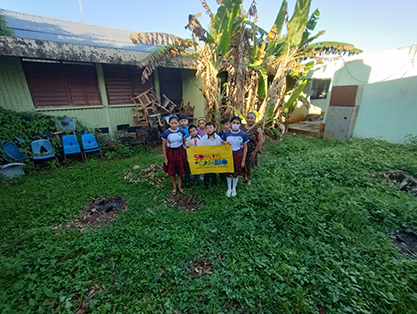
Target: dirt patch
[(97, 215), (202, 267), (154, 174), (186, 203), (403, 180), (406, 241)]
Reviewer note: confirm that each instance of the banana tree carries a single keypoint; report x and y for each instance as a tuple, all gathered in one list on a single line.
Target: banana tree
[(248, 53), (210, 58), (281, 55)]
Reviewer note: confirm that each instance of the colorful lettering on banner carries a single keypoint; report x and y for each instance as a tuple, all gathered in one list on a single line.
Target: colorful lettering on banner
[(208, 159)]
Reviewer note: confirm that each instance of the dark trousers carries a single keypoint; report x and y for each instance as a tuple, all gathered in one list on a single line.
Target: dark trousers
[(208, 176), (188, 176)]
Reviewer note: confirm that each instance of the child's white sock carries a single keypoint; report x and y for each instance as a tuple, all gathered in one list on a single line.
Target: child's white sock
[(229, 183), (234, 183)]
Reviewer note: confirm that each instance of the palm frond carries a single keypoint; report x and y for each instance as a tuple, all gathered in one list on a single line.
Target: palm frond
[(209, 12), (196, 29), (333, 47), (155, 38), (157, 57), (253, 11)]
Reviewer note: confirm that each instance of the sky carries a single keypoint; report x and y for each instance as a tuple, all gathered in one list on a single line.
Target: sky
[(370, 25)]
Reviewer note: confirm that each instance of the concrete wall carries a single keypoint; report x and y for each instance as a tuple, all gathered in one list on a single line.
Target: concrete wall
[(388, 102)]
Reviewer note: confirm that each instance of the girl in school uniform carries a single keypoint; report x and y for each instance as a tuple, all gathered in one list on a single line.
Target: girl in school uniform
[(238, 140), (173, 139), (201, 126)]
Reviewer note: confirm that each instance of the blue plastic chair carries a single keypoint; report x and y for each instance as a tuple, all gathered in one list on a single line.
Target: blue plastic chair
[(37, 146), (89, 144), (13, 152), (71, 146)]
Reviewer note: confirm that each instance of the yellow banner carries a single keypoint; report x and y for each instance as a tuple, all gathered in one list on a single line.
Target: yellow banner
[(207, 159)]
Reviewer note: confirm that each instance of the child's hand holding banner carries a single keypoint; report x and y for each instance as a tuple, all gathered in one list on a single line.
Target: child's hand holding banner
[(210, 159)]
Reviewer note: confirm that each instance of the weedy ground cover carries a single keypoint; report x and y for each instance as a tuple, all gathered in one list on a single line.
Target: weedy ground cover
[(311, 235)]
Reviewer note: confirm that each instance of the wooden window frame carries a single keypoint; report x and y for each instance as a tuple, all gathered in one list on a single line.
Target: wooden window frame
[(123, 82), (60, 84)]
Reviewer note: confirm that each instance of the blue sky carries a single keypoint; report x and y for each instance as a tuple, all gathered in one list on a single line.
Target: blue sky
[(368, 24)]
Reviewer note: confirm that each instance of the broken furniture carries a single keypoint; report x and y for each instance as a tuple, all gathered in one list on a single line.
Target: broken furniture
[(42, 150), (103, 137), (65, 125), (149, 111), (12, 169), (13, 152), (168, 105), (188, 110), (121, 131)]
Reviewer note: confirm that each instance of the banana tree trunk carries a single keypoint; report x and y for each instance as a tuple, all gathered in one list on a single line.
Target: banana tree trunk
[(252, 94), (210, 87), (237, 77)]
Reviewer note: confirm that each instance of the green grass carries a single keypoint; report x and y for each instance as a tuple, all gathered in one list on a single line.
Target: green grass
[(311, 235)]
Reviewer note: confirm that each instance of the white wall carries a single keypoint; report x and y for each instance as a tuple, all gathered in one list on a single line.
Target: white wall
[(388, 104)]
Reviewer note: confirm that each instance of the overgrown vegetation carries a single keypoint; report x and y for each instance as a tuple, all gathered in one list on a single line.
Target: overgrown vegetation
[(311, 235), (234, 44), (28, 126)]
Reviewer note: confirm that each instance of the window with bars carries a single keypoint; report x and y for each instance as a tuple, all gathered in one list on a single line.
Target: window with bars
[(319, 88), (61, 84)]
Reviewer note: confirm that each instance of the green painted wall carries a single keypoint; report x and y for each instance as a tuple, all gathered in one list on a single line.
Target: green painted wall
[(191, 92), (15, 95), (14, 91)]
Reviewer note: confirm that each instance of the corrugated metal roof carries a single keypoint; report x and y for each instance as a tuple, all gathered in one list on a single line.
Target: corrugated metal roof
[(52, 29)]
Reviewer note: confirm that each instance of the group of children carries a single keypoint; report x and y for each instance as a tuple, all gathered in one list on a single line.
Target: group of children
[(180, 136)]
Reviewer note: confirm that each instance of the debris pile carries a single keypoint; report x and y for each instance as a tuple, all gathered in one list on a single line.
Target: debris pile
[(406, 241), (187, 203), (97, 214), (153, 174), (202, 267), (403, 180)]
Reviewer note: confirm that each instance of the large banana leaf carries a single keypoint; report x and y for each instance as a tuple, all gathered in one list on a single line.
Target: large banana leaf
[(275, 32), (298, 22), (296, 94), (224, 22), (334, 47), (310, 26)]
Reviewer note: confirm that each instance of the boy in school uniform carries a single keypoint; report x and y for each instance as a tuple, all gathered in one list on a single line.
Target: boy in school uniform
[(192, 140), (183, 122), (225, 126), (210, 138)]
